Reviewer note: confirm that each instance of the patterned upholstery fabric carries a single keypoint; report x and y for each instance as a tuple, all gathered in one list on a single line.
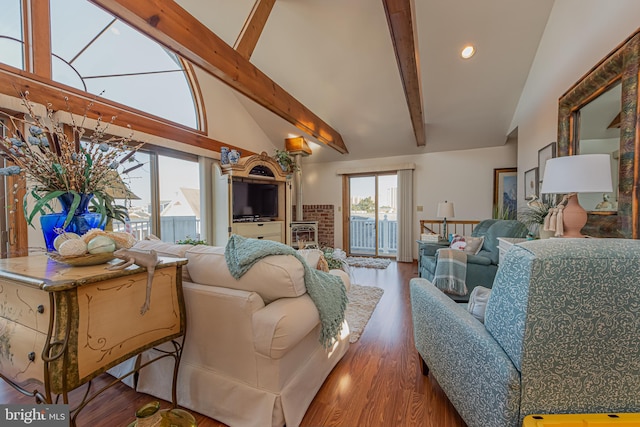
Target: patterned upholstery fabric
[(560, 334), (473, 370)]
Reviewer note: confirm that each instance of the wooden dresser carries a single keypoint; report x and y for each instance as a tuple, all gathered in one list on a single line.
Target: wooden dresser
[(61, 326)]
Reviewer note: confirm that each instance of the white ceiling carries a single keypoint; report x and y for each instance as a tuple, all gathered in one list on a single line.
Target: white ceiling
[(336, 57)]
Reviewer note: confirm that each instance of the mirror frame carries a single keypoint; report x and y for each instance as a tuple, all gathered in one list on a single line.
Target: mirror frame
[(621, 65)]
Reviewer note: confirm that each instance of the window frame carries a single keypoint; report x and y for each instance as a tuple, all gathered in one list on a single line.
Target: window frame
[(36, 78)]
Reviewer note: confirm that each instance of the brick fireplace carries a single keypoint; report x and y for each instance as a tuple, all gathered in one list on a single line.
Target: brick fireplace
[(324, 214)]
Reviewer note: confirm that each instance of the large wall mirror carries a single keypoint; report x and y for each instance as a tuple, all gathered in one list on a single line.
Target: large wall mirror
[(599, 114)]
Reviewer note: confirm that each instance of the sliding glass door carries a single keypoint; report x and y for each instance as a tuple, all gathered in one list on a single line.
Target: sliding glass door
[(373, 226)]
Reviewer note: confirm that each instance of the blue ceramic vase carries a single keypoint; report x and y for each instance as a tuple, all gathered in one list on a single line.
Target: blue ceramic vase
[(82, 221), (234, 156), (224, 155)]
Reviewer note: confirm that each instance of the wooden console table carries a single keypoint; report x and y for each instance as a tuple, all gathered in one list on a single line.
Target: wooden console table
[(62, 326)]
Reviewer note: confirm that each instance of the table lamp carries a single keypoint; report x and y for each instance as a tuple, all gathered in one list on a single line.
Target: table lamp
[(585, 173), (445, 210)]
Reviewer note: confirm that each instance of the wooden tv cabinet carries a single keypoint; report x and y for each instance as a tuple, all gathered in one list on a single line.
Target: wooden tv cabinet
[(270, 230)]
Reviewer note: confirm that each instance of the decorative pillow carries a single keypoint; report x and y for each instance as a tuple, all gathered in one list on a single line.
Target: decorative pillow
[(311, 256), (458, 242), (323, 265), (478, 302), (474, 244)]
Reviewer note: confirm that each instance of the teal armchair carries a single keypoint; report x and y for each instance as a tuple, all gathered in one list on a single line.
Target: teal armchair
[(481, 268), (560, 334)]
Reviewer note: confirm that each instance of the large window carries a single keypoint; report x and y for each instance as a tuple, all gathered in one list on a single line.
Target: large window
[(174, 214), (11, 38), (373, 225), (179, 198), (139, 204), (95, 52)]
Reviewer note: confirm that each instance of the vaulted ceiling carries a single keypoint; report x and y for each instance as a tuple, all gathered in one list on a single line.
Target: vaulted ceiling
[(336, 58)]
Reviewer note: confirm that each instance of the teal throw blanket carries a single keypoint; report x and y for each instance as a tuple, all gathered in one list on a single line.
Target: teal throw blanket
[(451, 271), (326, 290)]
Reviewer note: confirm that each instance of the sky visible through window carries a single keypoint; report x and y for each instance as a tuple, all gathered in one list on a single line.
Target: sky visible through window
[(362, 187), (11, 33), (102, 55), (94, 52)]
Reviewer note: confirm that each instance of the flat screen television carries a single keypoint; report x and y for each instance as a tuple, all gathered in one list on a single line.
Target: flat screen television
[(251, 199)]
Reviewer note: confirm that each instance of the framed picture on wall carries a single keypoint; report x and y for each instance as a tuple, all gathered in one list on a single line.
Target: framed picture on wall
[(505, 192), (531, 183), (545, 153)]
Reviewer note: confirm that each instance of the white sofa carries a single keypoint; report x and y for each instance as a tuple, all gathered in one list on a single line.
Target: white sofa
[(252, 354)]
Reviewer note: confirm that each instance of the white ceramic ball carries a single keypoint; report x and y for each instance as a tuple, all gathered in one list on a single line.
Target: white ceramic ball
[(73, 247), (101, 244), (63, 238)]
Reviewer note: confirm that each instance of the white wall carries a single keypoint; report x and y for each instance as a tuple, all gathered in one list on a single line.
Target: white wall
[(578, 35), (462, 177), (228, 121)]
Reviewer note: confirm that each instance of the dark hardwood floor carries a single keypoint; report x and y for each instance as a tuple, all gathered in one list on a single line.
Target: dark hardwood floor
[(377, 383)]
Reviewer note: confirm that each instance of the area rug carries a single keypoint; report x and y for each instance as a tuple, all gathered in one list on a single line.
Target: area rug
[(362, 302), (367, 262)]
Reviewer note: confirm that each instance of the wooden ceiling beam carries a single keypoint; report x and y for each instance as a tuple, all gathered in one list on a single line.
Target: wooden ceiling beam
[(13, 82), (173, 27), (253, 26), (399, 18)]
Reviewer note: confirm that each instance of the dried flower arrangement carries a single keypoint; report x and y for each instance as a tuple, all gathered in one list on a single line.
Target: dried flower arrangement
[(55, 162)]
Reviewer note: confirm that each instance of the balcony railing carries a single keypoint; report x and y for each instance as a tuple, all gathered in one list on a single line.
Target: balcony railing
[(363, 236), (172, 228)]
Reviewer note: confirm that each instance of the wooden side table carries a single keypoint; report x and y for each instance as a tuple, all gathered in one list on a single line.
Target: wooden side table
[(62, 326)]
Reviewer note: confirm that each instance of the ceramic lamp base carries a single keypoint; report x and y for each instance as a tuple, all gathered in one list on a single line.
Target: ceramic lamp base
[(574, 218)]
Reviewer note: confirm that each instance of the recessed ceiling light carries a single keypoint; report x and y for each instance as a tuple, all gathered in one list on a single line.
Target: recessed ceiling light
[(468, 51)]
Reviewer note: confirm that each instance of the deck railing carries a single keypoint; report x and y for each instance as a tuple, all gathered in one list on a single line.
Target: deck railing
[(363, 236), (172, 228)]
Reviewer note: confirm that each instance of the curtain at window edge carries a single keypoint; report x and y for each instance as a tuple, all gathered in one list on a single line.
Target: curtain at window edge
[(405, 215)]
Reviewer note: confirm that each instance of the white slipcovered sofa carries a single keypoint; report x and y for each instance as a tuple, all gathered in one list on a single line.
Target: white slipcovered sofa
[(252, 354)]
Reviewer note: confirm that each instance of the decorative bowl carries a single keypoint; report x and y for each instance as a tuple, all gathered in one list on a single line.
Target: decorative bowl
[(82, 260)]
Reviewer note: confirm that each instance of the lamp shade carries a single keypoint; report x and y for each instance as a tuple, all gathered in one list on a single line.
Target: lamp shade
[(585, 173), (445, 210)]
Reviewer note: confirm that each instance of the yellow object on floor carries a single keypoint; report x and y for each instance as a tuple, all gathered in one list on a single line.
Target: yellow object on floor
[(582, 420)]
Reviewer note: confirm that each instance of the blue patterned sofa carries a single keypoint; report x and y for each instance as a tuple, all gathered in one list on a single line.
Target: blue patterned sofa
[(561, 334)]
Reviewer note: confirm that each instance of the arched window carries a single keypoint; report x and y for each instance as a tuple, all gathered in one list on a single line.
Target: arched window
[(97, 53), (93, 52)]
